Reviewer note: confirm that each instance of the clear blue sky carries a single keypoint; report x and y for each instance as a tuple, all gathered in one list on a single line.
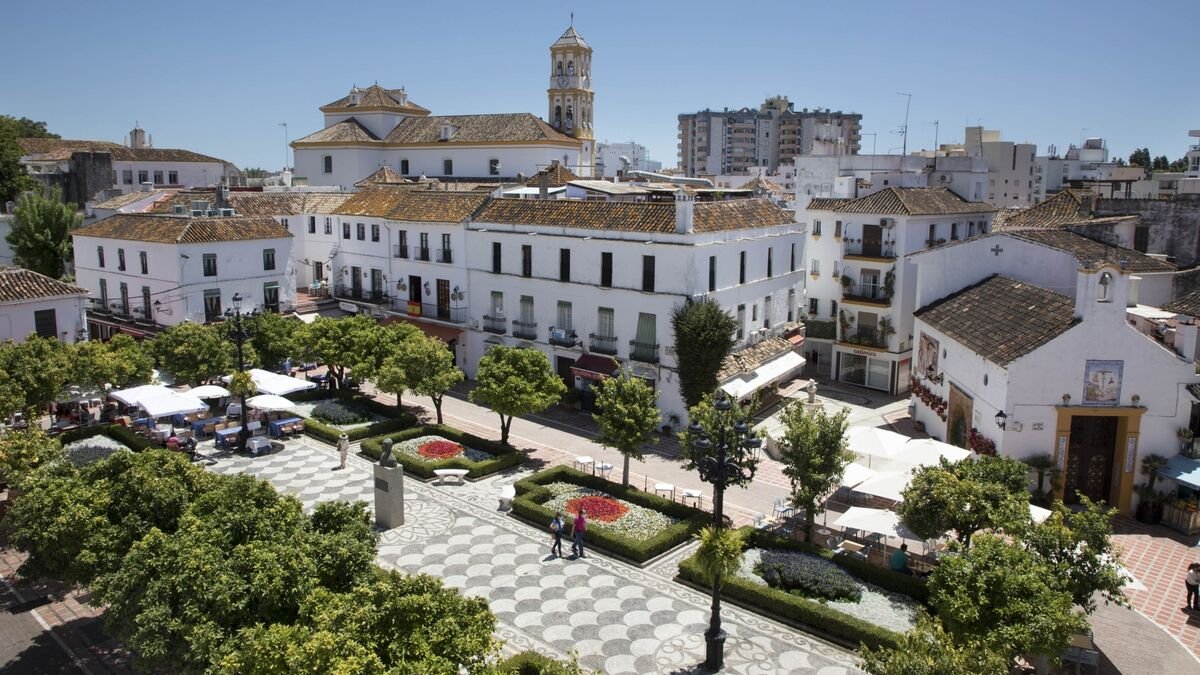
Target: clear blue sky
[(217, 77)]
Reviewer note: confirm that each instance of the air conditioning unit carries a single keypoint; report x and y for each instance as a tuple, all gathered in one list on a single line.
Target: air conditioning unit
[(212, 212), (178, 209), (196, 213), (228, 212)]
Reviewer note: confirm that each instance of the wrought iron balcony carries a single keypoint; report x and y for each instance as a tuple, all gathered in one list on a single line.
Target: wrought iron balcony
[(445, 255), (526, 330), (871, 293), (399, 251), (449, 314), (643, 351), (866, 335), (495, 324), (603, 344), (877, 250), (563, 337), (421, 254)]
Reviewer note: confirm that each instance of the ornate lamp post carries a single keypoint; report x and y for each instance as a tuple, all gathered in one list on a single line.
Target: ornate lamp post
[(241, 332), (734, 461)]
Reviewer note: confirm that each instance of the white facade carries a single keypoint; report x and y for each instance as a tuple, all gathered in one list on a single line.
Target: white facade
[(129, 176), (18, 320), (852, 176), (608, 158)]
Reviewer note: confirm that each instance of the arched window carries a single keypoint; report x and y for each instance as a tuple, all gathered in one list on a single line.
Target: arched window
[(328, 163), (570, 67), (558, 117), (570, 116), (1105, 284), (559, 71)]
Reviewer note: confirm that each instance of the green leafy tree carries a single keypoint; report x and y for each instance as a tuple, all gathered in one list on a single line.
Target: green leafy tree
[(1140, 157), (1180, 165), (712, 421), (430, 370), (38, 368), (274, 340), (703, 338), (814, 456), (41, 233), (121, 362), (928, 648), (194, 352), (1161, 163), (12, 398), (350, 343), (1077, 547), (392, 378), (13, 178), (255, 172), (966, 496), (23, 452), (514, 381), (1001, 595), (628, 417)]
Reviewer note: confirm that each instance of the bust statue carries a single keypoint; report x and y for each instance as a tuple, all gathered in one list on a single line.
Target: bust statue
[(385, 457), (812, 391)]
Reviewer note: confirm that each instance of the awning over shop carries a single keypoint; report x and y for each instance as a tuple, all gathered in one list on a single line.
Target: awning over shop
[(1182, 470), (595, 366), (767, 374)]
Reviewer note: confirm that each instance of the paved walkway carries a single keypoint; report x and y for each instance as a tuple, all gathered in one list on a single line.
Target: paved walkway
[(619, 618)]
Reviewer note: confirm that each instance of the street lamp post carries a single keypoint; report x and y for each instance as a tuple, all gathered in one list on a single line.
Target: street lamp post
[(239, 334), (735, 461)]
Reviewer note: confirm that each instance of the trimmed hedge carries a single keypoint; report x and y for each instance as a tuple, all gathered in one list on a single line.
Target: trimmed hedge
[(398, 418), (506, 456), (117, 432), (533, 663), (531, 494), (813, 613)]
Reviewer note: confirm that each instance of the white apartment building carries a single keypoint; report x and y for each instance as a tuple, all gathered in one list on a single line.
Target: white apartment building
[(861, 289), (35, 304), (608, 159), (1010, 166), (1087, 167), (146, 271), (374, 127), (853, 176)]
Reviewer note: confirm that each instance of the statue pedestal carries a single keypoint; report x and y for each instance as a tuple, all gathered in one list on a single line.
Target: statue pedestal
[(389, 496), (814, 407)]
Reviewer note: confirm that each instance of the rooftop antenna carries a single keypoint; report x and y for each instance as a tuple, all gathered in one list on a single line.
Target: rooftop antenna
[(285, 145), (572, 19), (904, 129)]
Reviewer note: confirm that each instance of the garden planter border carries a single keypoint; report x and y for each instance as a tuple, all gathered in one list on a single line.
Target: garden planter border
[(118, 432), (397, 419), (506, 457)]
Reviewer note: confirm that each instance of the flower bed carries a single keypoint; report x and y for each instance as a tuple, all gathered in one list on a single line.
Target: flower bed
[(338, 414), (887, 604), (89, 450), (648, 527), (479, 456), (806, 575), (384, 418)]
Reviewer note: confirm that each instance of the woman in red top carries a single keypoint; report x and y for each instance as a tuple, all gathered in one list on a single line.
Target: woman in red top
[(580, 526)]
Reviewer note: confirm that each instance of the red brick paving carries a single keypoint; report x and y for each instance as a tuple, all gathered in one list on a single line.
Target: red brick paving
[(1158, 557)]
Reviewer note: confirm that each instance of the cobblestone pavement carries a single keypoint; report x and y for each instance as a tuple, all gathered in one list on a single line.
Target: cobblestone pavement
[(617, 617)]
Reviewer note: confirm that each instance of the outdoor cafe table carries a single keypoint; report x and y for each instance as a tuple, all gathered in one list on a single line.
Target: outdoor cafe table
[(198, 425), (258, 444), (277, 425), (224, 435)]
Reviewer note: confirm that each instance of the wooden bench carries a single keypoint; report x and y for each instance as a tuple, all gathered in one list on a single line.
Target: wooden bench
[(507, 494), (443, 474)]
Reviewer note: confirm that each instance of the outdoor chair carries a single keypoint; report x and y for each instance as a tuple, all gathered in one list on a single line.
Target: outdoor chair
[(782, 508), (760, 521)]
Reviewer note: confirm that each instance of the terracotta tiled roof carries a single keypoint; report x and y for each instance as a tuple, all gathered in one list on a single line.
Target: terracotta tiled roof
[(55, 148), (347, 131), (571, 38), (1091, 253), (286, 203), (1063, 208), (633, 216), (556, 175), (128, 198), (913, 202), (1187, 304), (18, 284), (506, 127), (384, 175), (747, 359), (376, 96), (182, 229), (1001, 319), (826, 203), (406, 204), (760, 185)]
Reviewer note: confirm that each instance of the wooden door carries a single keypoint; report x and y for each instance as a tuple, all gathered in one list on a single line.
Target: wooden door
[(1090, 461), (872, 240)]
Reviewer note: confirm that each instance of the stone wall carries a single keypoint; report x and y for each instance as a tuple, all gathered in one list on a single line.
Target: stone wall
[(1173, 225)]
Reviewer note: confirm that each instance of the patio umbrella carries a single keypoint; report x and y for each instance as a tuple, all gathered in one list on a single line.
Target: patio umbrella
[(170, 403), (878, 521), (209, 391), (269, 402), (926, 451), (886, 484), (134, 395), (855, 474), (871, 443)]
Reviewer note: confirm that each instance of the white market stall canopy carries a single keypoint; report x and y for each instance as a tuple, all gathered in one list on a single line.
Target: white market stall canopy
[(871, 443), (274, 383), (886, 484), (269, 402), (767, 374), (171, 403), (927, 451), (856, 473), (134, 395), (878, 521), (208, 391)]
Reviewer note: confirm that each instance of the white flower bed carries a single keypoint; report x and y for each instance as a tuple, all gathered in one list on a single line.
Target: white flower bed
[(639, 521), (885, 609), (89, 450), (410, 448), (305, 410)]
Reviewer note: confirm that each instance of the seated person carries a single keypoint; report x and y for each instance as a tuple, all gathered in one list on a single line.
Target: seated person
[(899, 561)]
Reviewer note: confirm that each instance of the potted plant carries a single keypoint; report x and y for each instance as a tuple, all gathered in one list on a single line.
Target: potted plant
[(1041, 464), (1185, 436), (570, 398), (847, 282), (1150, 502)]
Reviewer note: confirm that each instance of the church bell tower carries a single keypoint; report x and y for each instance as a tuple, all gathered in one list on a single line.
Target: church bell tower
[(570, 95)]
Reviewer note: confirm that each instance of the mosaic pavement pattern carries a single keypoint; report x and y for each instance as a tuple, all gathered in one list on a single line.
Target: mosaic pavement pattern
[(616, 617)]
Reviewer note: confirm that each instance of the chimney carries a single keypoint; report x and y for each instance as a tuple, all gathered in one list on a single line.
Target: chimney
[(544, 185), (685, 204), (222, 196)]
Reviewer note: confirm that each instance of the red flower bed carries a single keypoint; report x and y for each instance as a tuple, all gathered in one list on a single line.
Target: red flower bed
[(440, 449), (603, 509)]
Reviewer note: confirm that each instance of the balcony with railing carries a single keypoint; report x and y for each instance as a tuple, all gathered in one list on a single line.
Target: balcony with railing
[(868, 336), (643, 351), (871, 294), (495, 324), (526, 330), (399, 251), (445, 255), (872, 251), (421, 254), (603, 344), (99, 306), (441, 313), (563, 337)]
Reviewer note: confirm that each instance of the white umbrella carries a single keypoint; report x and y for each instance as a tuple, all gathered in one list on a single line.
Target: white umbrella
[(878, 521), (209, 391), (855, 474), (269, 402), (926, 451), (170, 403), (872, 442), (134, 395), (273, 383), (887, 484)]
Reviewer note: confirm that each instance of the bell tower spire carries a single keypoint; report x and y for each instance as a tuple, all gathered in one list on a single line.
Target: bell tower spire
[(570, 95)]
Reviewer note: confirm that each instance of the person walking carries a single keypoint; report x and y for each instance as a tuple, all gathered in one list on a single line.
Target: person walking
[(343, 448), (556, 528), (577, 530), (1192, 582)]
